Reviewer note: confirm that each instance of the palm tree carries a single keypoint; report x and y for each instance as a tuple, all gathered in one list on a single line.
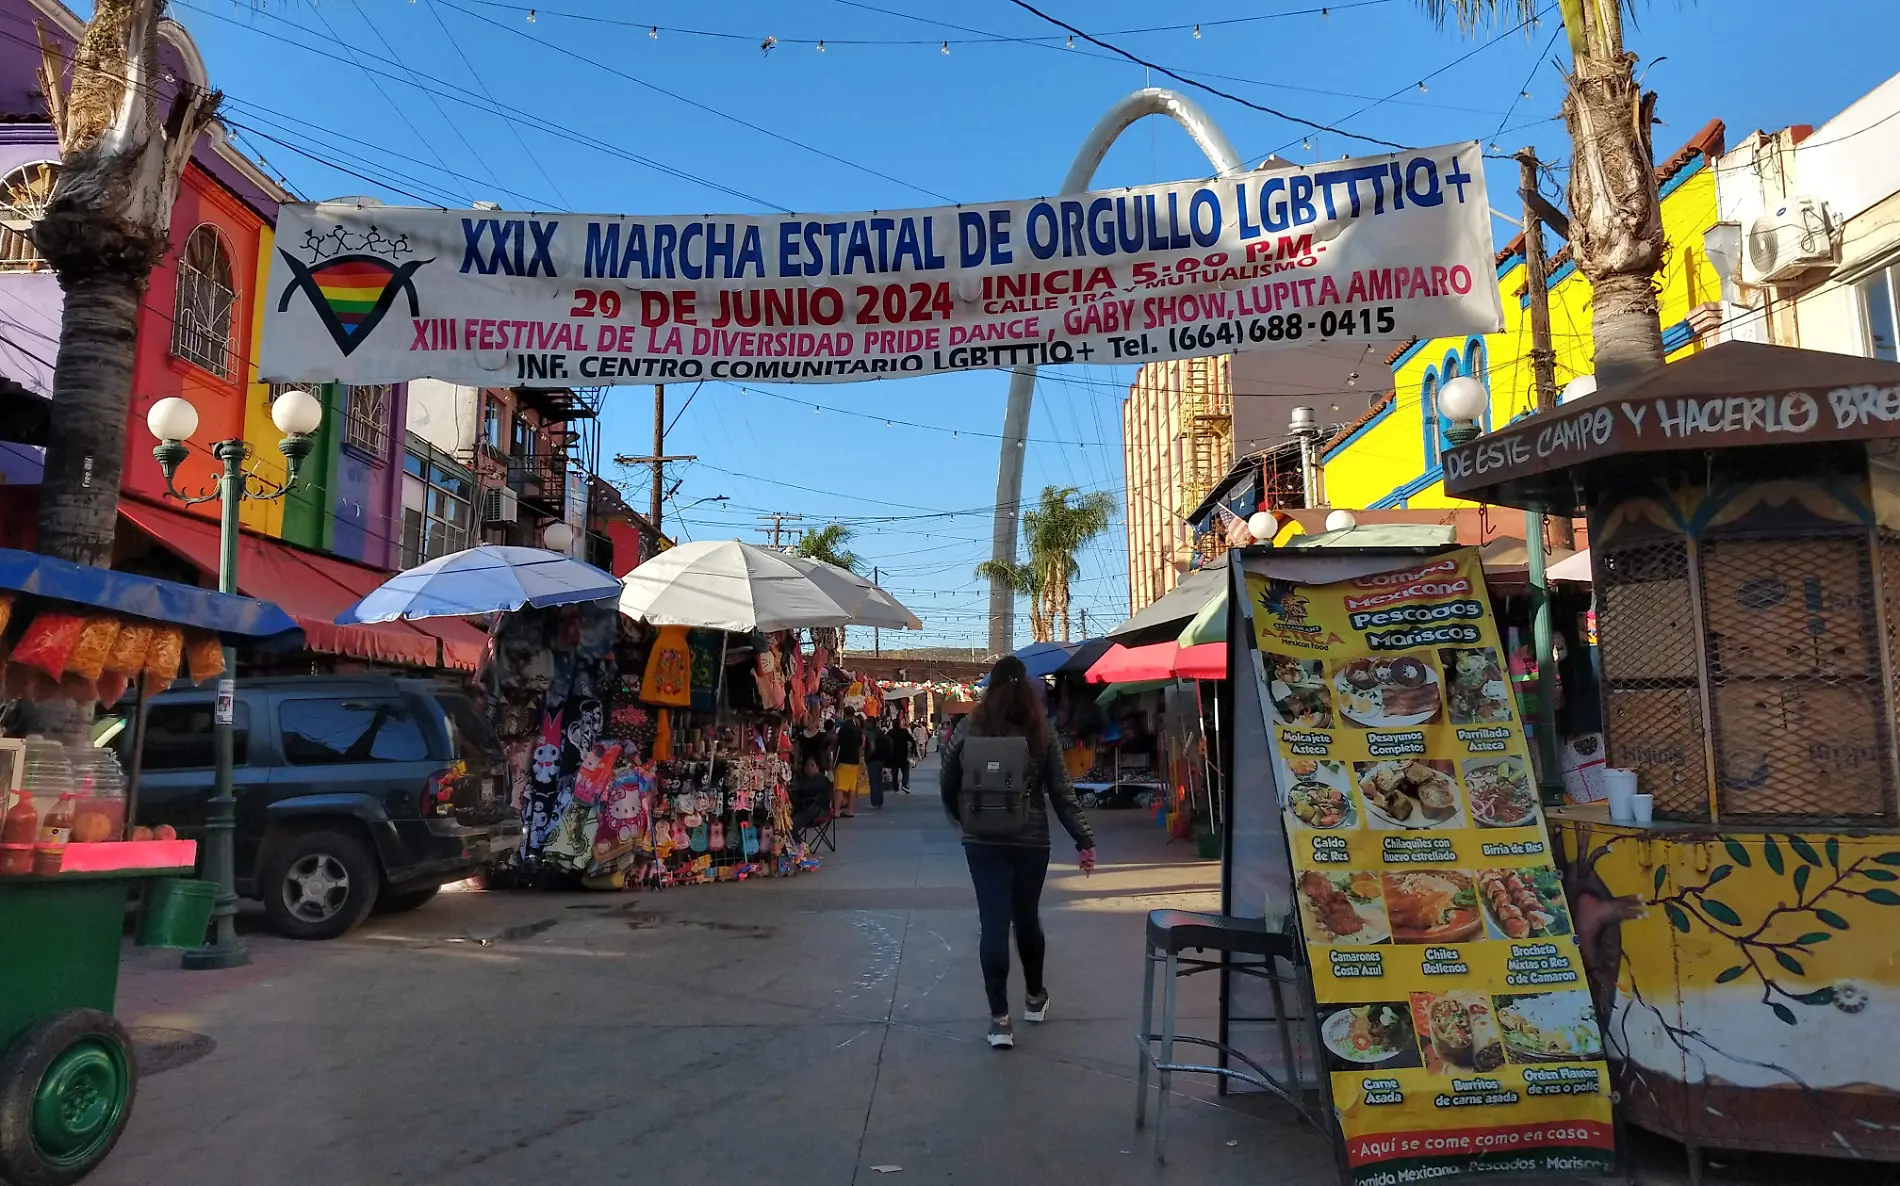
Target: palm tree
[(1025, 580), (104, 230), (828, 545), (1616, 228), (1055, 532)]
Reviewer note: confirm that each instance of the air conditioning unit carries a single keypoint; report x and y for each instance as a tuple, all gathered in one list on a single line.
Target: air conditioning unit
[(500, 505), (1793, 239)]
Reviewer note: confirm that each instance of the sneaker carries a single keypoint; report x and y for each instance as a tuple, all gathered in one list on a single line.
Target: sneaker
[(1036, 1008), (1001, 1035)]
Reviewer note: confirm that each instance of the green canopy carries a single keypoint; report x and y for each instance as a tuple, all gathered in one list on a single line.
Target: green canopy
[(1115, 692), (1210, 625)]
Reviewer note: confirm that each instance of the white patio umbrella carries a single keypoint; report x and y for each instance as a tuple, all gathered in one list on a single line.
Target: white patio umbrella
[(728, 585), (869, 605)]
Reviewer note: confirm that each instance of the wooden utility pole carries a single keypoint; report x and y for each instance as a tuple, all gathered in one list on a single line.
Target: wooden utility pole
[(778, 519), (1085, 622), (877, 636), (659, 458), (1543, 355)]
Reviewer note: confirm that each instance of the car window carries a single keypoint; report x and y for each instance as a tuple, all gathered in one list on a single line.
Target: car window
[(180, 737), (471, 738), (327, 732)]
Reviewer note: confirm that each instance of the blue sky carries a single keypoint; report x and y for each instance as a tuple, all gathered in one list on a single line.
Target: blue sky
[(582, 108)]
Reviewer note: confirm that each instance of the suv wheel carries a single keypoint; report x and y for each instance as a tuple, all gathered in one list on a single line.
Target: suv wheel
[(319, 885)]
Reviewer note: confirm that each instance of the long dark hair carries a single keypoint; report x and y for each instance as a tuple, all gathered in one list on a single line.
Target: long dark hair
[(1010, 706)]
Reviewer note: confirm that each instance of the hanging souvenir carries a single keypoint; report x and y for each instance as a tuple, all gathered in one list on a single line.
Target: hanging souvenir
[(717, 841), (697, 837), (748, 840), (597, 770), (669, 669), (538, 809)]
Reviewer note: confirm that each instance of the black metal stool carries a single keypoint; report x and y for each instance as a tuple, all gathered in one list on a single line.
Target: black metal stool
[(1171, 932)]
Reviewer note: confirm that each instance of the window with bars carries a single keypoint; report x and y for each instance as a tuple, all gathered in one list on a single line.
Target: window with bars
[(202, 310), (366, 418), (23, 196)]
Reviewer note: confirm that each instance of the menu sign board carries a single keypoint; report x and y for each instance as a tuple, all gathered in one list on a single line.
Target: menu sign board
[(1455, 1022)]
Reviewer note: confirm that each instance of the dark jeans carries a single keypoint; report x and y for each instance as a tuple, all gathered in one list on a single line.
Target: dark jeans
[(874, 773), (900, 775), (1008, 890)]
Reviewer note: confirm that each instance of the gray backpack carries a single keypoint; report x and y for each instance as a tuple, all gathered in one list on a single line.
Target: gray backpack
[(993, 803)]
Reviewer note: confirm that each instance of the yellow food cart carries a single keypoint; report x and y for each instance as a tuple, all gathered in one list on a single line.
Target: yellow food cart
[(1744, 513)]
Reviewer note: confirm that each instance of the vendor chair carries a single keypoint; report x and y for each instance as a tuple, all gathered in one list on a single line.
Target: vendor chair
[(821, 832), (1267, 955)]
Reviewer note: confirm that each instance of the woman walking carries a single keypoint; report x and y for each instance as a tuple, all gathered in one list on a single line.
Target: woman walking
[(1002, 772)]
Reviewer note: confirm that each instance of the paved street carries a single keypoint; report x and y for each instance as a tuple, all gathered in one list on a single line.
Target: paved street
[(805, 1031)]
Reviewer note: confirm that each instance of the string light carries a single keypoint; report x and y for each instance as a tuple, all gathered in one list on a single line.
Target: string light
[(1197, 32), (654, 32), (1071, 41), (1421, 87), (768, 45), (821, 47), (1523, 94), (531, 16), (945, 47), (1306, 144)]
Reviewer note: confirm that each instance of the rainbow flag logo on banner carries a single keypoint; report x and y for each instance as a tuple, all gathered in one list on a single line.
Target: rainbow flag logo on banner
[(351, 293)]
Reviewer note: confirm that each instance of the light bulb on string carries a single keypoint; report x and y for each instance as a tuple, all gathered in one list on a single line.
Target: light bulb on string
[(1421, 87), (1523, 94), (1306, 144), (531, 16), (654, 32), (1197, 32), (1071, 41), (945, 47), (821, 47)]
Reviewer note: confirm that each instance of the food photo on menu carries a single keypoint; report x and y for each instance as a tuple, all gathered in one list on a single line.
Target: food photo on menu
[(1321, 795), (1524, 903), (1458, 1032), (1478, 690), (1500, 792), (1297, 690), (1433, 906), (1340, 906), (1549, 1027), (1409, 793), (1388, 693), (1367, 1037)]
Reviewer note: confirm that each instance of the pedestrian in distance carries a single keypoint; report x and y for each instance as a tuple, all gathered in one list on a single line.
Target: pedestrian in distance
[(875, 760), (847, 770), (1002, 774), (903, 746)]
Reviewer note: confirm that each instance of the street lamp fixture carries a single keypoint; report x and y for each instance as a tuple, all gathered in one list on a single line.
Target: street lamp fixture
[(173, 421), (1463, 401), (558, 536)]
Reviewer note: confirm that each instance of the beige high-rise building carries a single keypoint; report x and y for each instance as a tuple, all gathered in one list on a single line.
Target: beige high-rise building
[(1177, 442)]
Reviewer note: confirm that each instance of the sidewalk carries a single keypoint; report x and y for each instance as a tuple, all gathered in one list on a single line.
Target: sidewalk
[(800, 1031)]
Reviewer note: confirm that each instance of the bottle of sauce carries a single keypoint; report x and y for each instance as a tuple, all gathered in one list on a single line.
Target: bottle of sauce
[(56, 828), (18, 831)]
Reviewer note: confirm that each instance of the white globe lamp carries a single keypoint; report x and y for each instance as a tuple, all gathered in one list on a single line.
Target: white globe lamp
[(172, 419), (1577, 388), (296, 412), (558, 537), (1463, 401), (1262, 526), (1341, 521)]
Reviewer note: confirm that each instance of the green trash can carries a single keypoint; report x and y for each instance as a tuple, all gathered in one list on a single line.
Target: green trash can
[(177, 911)]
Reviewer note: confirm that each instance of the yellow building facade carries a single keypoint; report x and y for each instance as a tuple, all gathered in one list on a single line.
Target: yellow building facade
[(1177, 442), (1390, 458)]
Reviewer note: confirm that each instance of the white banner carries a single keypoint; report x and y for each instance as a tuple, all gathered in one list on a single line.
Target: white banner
[(1386, 247)]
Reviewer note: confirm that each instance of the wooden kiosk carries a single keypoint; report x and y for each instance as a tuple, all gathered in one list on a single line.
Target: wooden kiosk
[(1744, 949)]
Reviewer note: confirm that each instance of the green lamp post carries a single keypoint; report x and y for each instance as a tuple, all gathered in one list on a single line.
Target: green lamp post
[(173, 420)]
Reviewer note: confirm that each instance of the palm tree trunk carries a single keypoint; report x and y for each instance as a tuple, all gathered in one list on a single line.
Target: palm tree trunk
[(1616, 227), (92, 391), (105, 229)]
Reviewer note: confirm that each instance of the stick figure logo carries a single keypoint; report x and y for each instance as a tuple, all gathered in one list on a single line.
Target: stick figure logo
[(352, 278)]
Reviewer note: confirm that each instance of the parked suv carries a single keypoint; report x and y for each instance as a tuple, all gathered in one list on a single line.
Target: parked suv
[(352, 791)]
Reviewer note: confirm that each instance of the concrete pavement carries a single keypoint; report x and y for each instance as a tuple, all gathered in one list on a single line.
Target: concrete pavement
[(801, 1031)]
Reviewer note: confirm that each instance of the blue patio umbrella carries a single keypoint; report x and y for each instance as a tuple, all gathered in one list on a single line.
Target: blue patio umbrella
[(479, 581)]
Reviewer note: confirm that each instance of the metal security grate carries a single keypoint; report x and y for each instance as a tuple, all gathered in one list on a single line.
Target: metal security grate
[(1648, 640), (1801, 711)]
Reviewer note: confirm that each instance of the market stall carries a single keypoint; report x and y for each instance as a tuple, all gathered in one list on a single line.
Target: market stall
[(1383, 814), (1744, 510), (70, 848)]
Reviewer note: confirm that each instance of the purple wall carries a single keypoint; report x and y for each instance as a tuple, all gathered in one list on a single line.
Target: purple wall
[(368, 506)]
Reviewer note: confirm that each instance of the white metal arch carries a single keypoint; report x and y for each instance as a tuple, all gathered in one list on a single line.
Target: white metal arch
[(1022, 381)]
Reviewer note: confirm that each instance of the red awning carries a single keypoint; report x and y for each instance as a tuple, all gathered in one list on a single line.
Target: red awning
[(1207, 660), (313, 589), (1125, 665)]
